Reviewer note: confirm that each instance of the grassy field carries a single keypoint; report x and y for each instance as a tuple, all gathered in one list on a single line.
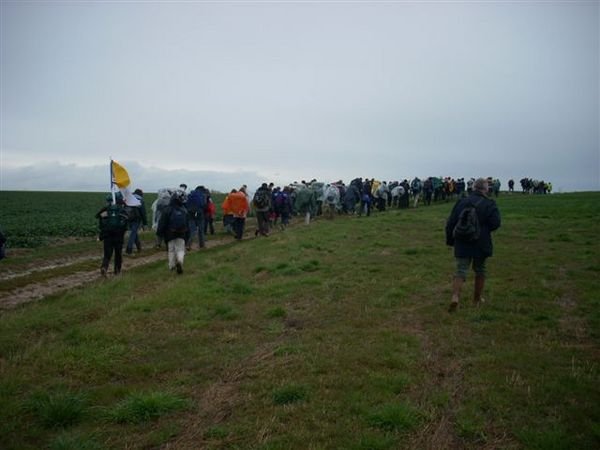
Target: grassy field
[(331, 336)]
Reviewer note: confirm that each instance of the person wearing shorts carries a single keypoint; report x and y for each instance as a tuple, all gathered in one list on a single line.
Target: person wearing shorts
[(473, 253)]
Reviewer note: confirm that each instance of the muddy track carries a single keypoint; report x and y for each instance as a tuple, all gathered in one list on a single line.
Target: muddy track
[(54, 285)]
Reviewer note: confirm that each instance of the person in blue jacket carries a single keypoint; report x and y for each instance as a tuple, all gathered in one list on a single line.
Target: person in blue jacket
[(473, 252)]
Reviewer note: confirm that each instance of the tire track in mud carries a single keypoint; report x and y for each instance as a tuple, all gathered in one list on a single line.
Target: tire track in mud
[(39, 290)]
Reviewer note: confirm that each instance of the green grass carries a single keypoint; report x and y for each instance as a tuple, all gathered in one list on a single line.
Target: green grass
[(333, 335), (144, 406)]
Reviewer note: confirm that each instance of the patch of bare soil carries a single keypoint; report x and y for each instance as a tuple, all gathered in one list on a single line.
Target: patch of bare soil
[(39, 290), (49, 265)]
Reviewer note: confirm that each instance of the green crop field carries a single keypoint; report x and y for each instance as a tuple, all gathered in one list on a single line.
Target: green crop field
[(329, 336), (34, 219)]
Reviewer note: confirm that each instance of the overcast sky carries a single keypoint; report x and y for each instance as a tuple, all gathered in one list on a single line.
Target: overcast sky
[(226, 93)]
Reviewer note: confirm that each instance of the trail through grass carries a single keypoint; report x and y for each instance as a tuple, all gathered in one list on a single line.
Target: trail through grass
[(332, 336)]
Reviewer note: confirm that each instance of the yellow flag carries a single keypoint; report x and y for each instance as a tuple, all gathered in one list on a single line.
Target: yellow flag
[(119, 175)]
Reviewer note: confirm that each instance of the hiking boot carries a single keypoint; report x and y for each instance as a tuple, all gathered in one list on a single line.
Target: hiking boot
[(179, 268), (453, 306)]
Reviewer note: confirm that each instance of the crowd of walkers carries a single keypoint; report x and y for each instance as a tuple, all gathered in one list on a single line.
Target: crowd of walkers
[(182, 218)]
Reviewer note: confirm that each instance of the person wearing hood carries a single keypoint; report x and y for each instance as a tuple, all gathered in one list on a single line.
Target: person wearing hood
[(112, 221), (236, 204), (473, 241), (173, 228)]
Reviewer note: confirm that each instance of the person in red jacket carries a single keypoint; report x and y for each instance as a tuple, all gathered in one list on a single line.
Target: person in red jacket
[(209, 216)]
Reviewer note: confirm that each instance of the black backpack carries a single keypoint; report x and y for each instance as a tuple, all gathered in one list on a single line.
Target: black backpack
[(178, 221), (115, 220), (134, 213), (467, 228), (261, 198)]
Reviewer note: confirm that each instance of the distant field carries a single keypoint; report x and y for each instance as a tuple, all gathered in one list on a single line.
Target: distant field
[(32, 219), (329, 336)]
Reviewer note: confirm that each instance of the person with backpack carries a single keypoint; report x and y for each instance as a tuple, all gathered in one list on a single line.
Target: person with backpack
[(112, 222), (209, 215), (2, 245), (137, 218), (468, 230), (173, 227), (236, 204), (195, 205), (416, 187), (261, 202)]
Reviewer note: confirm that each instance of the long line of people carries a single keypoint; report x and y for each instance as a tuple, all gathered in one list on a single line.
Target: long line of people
[(181, 218)]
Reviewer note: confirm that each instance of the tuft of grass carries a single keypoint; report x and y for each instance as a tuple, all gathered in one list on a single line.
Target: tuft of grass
[(310, 266), (143, 407), (70, 441), (374, 442), (57, 409), (394, 417), (276, 312), (216, 432), (546, 439), (292, 393), (225, 312), (285, 350)]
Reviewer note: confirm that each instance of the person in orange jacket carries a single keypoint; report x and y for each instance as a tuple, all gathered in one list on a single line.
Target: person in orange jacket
[(236, 204)]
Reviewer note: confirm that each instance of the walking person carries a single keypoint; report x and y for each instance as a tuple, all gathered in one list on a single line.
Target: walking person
[(2, 245), (112, 221), (365, 199), (469, 232), (137, 218), (236, 203), (195, 205), (261, 203), (416, 187), (209, 215), (173, 228)]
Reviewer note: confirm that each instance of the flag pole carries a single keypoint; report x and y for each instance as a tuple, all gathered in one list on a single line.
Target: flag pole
[(112, 190)]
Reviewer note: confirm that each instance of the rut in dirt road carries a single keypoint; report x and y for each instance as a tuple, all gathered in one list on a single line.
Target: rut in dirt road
[(39, 290)]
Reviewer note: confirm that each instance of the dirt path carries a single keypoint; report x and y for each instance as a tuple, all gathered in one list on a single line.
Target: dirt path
[(60, 283)]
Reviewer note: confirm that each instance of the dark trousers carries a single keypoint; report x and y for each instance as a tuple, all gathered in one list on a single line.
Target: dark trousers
[(262, 217), (134, 238), (238, 227), (365, 207), (209, 224), (196, 226), (113, 244)]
